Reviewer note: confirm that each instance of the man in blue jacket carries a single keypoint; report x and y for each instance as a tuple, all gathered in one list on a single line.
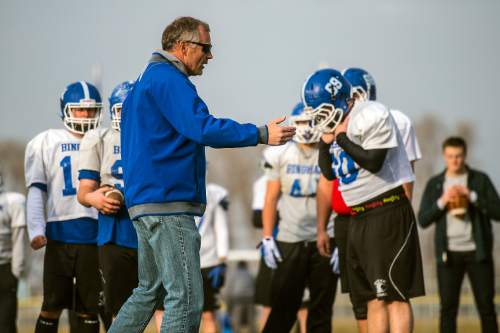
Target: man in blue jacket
[(165, 127)]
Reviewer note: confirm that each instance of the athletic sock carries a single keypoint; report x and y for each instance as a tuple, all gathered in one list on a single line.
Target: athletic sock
[(46, 325), (87, 325)]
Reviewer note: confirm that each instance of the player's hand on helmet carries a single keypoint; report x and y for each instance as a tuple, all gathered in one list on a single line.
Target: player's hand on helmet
[(278, 135), (217, 276), (38, 242), (327, 138), (270, 252), (323, 243), (334, 261), (342, 127), (102, 203)]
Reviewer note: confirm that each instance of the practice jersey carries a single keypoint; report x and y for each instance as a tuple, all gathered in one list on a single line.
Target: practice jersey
[(259, 193), (298, 172), (371, 126), (100, 160), (407, 131), (213, 228), (51, 164), (12, 208), (412, 148)]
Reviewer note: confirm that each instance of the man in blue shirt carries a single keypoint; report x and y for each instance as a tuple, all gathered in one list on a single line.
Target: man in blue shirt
[(165, 127)]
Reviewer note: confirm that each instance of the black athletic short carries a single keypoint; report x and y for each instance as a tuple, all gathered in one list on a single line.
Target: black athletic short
[(118, 266), (210, 294), (263, 284), (383, 251), (63, 264), (341, 226)]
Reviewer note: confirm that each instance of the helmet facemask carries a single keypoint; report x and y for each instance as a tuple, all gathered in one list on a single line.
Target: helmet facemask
[(305, 132), (81, 125), (116, 116), (325, 118), (359, 94)]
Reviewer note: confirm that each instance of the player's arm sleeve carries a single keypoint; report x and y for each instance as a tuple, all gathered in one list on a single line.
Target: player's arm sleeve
[(89, 161), (35, 212), (369, 159), (185, 110), (17, 208), (325, 160), (429, 211), (221, 228)]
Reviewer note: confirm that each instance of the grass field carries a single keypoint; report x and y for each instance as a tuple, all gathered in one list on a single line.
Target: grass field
[(425, 308)]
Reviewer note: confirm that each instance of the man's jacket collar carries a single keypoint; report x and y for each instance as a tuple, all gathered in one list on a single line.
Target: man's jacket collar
[(164, 56)]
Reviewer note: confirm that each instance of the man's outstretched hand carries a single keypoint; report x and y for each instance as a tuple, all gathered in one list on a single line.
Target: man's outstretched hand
[(278, 135)]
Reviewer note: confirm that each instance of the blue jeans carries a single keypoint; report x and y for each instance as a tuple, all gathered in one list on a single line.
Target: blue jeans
[(169, 272)]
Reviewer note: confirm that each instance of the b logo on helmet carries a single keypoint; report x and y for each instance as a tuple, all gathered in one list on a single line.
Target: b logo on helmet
[(333, 86)]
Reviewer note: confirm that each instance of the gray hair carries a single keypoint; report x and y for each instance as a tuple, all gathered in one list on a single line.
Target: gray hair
[(183, 28)]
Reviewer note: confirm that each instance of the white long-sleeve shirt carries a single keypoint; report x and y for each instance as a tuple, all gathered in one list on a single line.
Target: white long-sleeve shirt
[(13, 239), (213, 227)]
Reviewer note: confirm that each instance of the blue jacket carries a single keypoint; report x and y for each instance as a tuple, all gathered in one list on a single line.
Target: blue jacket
[(165, 127)]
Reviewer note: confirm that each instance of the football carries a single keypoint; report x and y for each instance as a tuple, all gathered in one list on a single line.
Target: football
[(115, 194)]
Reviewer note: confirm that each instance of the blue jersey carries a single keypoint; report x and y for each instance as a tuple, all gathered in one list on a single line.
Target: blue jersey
[(100, 160)]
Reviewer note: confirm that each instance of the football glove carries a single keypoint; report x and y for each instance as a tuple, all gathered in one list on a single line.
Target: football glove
[(270, 252), (217, 275)]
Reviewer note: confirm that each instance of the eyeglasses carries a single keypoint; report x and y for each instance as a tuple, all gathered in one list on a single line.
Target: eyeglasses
[(206, 48)]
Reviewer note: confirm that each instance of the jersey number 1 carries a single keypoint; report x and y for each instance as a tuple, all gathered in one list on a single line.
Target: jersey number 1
[(68, 179)]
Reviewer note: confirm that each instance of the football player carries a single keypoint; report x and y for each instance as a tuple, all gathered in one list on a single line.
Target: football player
[(384, 265), (100, 186), (213, 252), (262, 296), (293, 173), (13, 239), (364, 88), (68, 230)]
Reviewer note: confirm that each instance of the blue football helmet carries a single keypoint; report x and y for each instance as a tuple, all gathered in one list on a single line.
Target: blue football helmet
[(362, 83), (80, 95), (304, 131), (116, 99), (326, 94)]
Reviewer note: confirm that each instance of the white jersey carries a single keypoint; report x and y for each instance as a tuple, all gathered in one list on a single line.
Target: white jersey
[(298, 172), (12, 215), (408, 135), (371, 126), (100, 153), (213, 228), (259, 193), (51, 161)]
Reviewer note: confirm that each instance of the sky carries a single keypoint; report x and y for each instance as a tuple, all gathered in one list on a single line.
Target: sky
[(435, 57)]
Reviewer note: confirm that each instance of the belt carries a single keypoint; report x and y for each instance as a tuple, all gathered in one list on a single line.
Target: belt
[(383, 200)]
